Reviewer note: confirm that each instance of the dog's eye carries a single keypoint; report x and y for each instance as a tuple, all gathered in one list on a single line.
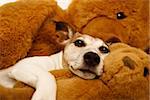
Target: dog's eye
[(79, 43), (104, 49), (121, 15)]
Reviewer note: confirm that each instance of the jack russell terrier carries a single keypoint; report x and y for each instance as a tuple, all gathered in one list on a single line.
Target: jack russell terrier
[(82, 54)]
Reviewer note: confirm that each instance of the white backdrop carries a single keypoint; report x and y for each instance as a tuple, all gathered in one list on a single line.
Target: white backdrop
[(62, 3), (5, 1)]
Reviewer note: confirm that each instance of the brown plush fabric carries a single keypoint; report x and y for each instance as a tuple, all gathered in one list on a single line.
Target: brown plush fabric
[(28, 25), (28, 28), (125, 77), (99, 19)]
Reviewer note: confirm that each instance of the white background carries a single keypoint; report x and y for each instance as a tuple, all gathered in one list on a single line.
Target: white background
[(62, 3), (6, 1)]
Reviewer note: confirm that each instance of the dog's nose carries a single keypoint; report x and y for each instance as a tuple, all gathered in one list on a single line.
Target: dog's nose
[(91, 59)]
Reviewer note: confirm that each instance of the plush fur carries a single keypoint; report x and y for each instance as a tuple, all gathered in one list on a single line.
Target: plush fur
[(99, 18), (27, 29), (125, 77)]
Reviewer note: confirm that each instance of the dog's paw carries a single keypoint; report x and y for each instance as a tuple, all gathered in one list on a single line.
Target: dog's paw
[(39, 96)]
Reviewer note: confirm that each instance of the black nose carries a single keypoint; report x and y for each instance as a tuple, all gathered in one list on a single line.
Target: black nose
[(91, 59)]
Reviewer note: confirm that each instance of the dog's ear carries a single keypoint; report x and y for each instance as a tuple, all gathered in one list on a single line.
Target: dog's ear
[(64, 32), (108, 43), (71, 32)]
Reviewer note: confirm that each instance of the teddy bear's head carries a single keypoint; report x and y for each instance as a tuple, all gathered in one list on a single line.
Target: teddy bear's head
[(112, 20), (127, 74)]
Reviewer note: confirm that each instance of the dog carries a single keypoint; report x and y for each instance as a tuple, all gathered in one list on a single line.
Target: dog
[(83, 54)]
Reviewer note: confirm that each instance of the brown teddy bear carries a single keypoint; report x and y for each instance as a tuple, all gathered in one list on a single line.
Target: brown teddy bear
[(29, 28), (113, 20), (35, 33), (125, 77)]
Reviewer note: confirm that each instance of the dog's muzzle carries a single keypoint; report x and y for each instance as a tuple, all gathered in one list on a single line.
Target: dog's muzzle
[(88, 70), (91, 59)]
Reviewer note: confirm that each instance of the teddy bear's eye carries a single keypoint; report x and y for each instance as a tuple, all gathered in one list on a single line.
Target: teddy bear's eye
[(104, 49), (79, 43), (121, 15), (146, 72), (147, 50)]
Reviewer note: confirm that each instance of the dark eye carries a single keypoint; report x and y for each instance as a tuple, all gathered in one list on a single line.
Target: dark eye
[(79, 43), (104, 49), (146, 72), (121, 15), (61, 26)]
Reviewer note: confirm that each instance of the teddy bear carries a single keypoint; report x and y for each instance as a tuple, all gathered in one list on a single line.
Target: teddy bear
[(35, 33), (113, 20), (30, 28), (125, 77)]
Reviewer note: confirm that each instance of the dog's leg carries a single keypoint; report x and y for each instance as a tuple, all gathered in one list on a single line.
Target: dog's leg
[(23, 76), (45, 87), (42, 81)]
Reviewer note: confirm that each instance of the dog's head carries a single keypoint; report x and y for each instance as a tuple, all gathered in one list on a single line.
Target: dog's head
[(85, 55)]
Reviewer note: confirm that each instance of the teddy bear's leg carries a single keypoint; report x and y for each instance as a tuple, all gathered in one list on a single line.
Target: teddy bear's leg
[(42, 81)]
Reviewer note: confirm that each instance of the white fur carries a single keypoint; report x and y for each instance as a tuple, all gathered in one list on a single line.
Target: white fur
[(34, 72), (75, 56), (64, 4)]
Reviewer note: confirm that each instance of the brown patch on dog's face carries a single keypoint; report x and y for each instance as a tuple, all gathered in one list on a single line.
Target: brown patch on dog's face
[(76, 35)]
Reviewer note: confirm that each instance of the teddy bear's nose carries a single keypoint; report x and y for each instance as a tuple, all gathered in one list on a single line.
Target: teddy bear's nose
[(91, 59)]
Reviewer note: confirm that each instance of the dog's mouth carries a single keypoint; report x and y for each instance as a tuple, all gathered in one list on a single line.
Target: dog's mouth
[(84, 73)]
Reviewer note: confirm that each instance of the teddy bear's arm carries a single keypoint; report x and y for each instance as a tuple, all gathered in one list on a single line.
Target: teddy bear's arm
[(19, 23)]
